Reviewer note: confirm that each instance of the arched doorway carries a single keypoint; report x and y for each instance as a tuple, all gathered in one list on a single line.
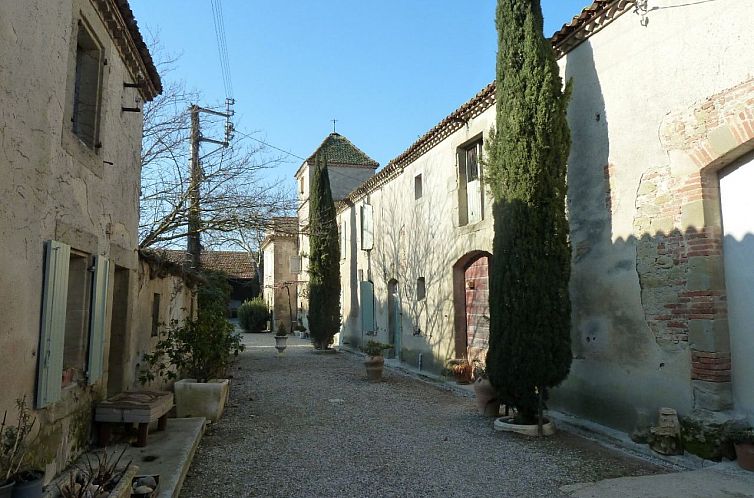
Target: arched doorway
[(394, 318), (472, 305)]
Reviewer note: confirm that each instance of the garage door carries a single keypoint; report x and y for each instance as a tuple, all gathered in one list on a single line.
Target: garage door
[(737, 200)]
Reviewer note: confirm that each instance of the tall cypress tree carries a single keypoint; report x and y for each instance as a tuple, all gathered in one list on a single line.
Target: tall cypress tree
[(324, 259), (530, 347)]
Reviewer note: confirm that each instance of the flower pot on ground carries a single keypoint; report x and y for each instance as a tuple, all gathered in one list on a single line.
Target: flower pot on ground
[(461, 369), (375, 362), (28, 484), (281, 338), (201, 350), (743, 441), (105, 475), (486, 398)]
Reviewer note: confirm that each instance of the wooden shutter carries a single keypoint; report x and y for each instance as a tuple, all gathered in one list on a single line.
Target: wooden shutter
[(97, 322), (52, 330), (366, 289), (367, 227)]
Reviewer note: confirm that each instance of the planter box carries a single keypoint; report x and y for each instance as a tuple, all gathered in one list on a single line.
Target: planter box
[(201, 399), (121, 490)]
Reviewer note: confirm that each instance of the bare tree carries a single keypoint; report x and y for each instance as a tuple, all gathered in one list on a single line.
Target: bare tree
[(238, 195)]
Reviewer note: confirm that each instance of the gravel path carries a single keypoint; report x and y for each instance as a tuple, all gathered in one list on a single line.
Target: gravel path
[(310, 425)]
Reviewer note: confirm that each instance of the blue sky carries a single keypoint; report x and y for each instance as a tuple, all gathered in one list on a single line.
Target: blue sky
[(387, 70)]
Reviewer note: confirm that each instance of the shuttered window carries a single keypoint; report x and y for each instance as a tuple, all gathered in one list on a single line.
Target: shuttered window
[(52, 333), (367, 227), (366, 289)]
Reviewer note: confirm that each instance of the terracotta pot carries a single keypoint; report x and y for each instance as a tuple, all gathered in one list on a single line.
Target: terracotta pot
[(462, 372), (374, 365), (745, 455), (486, 398)]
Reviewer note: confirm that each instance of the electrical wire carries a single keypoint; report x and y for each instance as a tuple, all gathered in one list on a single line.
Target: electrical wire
[(222, 46)]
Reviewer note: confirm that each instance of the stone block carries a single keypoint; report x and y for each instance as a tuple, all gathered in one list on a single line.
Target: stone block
[(709, 335), (692, 215), (712, 396), (721, 141), (705, 273)]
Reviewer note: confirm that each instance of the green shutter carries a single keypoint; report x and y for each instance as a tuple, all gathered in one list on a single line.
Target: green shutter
[(52, 332), (367, 227), (97, 323), (366, 289)]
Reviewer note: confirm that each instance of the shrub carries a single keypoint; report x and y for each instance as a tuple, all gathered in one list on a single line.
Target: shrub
[(282, 329), (374, 348), (253, 315)]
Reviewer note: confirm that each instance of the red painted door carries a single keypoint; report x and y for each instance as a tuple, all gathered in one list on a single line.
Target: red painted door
[(476, 283)]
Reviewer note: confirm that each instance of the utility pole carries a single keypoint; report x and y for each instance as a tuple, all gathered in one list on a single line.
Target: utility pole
[(193, 235)]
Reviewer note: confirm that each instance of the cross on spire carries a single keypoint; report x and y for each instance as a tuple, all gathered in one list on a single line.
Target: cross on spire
[(333, 124)]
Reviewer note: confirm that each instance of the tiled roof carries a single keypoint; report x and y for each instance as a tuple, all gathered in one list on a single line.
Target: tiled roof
[(119, 20), (589, 21), (339, 150), (237, 264), (284, 226)]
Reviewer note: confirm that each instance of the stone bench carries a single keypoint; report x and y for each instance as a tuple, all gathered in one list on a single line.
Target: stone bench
[(137, 407)]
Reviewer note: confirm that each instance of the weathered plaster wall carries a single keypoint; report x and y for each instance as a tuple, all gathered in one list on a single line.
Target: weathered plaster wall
[(177, 303), (645, 287), (53, 187)]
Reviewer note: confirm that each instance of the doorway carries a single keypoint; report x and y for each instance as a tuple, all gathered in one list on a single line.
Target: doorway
[(736, 185), (118, 356), (394, 318)]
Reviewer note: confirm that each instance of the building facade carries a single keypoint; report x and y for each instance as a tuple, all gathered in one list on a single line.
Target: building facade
[(659, 176), (75, 74)]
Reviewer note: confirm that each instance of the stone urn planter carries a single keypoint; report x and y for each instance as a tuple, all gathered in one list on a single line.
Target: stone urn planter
[(486, 398), (374, 366), (745, 455), (505, 424), (201, 399), (281, 342)]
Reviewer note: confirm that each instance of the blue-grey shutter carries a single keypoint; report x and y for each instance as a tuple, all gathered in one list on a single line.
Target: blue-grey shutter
[(52, 330), (97, 323), (366, 289), (367, 228)]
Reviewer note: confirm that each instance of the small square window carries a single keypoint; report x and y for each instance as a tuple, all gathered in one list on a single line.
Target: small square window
[(418, 187), (421, 289), (155, 314)]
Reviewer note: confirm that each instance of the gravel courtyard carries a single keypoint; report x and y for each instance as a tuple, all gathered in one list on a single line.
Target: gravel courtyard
[(310, 425)]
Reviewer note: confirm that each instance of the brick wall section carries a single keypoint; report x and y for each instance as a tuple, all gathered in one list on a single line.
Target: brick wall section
[(678, 213), (712, 367)]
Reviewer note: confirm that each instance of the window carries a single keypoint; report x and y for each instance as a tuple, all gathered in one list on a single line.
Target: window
[(301, 185), (86, 87), (367, 227), (417, 187), (74, 302), (470, 189), (343, 241), (155, 314), (421, 289)]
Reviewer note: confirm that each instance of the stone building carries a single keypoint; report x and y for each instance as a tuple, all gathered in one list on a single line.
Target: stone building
[(75, 74), (659, 183), (281, 265), (348, 166)]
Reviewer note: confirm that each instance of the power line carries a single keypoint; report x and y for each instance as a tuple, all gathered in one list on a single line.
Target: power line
[(222, 46), (245, 135)]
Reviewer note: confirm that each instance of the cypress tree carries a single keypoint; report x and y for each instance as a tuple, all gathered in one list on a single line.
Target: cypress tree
[(530, 347), (324, 259)]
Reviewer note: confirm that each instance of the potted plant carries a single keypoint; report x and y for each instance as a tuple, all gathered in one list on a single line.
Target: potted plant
[(743, 441), (101, 476), (486, 397), (281, 338), (300, 329), (461, 369), (375, 362), (201, 349), (14, 479)]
